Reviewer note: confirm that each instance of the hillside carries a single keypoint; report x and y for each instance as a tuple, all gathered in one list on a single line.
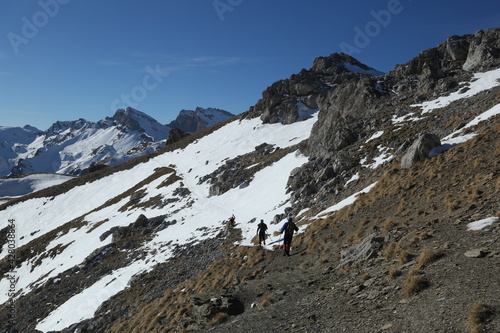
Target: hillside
[(393, 180)]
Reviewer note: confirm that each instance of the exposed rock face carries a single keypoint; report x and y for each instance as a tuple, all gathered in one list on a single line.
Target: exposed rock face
[(281, 101), (344, 110), (473, 53), (175, 135), (419, 150), (191, 121)]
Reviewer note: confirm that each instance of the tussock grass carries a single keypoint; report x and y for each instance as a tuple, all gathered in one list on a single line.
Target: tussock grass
[(266, 301), (451, 203), (389, 224), (404, 257), (428, 256), (218, 319), (394, 272), (392, 250), (364, 277), (322, 261), (415, 282), (478, 315)]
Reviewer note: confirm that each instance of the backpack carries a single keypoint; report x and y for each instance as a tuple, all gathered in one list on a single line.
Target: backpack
[(290, 228)]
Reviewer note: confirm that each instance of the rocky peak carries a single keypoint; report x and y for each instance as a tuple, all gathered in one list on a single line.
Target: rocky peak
[(61, 126), (191, 121), (338, 63), (132, 118), (284, 101)]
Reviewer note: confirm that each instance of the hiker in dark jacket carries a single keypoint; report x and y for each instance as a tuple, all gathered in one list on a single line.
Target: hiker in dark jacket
[(288, 228), (261, 230)]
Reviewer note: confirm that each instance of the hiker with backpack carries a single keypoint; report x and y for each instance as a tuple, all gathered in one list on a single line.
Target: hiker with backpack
[(288, 228), (261, 231)]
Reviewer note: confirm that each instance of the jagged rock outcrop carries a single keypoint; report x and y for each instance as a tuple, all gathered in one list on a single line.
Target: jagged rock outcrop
[(175, 135), (474, 53), (344, 112), (191, 121), (142, 226), (292, 99)]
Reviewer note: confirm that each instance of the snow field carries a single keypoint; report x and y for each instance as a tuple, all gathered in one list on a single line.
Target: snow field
[(262, 199)]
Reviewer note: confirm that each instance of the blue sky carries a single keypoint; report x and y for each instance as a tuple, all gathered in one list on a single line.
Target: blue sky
[(70, 59)]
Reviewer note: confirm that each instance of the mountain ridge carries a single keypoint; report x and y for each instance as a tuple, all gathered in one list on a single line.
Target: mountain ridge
[(72, 147)]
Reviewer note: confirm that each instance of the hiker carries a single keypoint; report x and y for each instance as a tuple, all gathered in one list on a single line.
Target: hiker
[(261, 230), (232, 221), (289, 227)]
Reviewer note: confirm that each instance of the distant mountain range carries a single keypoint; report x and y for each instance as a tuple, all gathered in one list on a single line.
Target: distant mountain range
[(72, 147)]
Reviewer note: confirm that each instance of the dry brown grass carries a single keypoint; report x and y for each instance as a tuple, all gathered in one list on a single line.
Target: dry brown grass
[(394, 272), (478, 315), (218, 319), (428, 256), (322, 261), (266, 301), (392, 250), (472, 194), (404, 257), (364, 277), (451, 203), (389, 224), (415, 282)]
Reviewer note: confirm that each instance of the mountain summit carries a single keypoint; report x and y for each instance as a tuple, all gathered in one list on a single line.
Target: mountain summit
[(295, 98)]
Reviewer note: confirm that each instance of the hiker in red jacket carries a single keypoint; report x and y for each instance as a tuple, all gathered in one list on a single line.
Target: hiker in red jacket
[(289, 228)]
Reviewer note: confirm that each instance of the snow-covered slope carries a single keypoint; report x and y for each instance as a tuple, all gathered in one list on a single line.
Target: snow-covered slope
[(14, 187), (194, 212)]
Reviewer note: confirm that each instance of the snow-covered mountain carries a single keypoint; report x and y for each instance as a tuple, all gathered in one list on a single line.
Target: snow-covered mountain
[(146, 246), (72, 147), (191, 121)]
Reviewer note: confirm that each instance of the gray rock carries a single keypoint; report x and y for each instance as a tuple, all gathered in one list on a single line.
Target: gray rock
[(476, 253), (419, 150), (363, 251)]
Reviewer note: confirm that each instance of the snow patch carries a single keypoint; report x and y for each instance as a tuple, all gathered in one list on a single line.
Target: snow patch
[(480, 82), (481, 224)]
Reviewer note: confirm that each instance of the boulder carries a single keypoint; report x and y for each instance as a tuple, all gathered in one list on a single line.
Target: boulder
[(206, 307), (419, 150), (365, 250)]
